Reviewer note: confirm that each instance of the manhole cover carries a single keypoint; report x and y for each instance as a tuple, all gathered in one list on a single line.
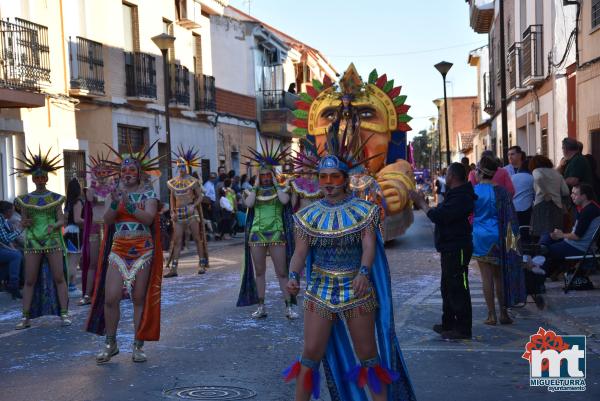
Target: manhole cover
[(211, 393)]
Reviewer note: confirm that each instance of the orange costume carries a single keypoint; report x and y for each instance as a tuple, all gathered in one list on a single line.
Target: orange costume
[(132, 250)]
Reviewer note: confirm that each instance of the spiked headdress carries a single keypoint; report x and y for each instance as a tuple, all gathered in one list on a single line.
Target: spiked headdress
[(39, 164), (269, 156), (337, 154), (98, 168), (190, 158), (145, 163)]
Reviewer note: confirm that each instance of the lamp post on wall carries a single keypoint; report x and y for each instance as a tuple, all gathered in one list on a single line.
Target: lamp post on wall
[(165, 42), (443, 67)]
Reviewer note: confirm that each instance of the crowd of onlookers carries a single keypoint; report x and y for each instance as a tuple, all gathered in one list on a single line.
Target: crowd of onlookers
[(520, 222), (555, 207)]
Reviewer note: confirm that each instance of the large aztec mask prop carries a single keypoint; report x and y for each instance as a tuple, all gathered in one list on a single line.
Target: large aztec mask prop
[(374, 110)]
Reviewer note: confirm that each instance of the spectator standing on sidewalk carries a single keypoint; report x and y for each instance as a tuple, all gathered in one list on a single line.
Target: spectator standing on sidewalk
[(576, 170), (523, 182), (453, 239), (515, 160), (501, 177), (551, 192), (495, 235), (9, 255)]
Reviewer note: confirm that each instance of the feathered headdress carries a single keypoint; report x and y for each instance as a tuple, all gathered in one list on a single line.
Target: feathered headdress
[(337, 154), (39, 164), (190, 157), (146, 164), (268, 157), (98, 168)]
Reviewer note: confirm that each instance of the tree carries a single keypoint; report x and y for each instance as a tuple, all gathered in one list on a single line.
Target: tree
[(422, 149)]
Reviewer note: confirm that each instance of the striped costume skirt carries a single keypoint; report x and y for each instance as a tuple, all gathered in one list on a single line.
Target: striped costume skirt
[(329, 293)]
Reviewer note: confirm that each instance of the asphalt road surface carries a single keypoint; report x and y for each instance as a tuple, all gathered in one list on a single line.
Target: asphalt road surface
[(208, 342)]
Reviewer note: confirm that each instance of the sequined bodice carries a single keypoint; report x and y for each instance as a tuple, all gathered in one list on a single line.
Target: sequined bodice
[(338, 258)]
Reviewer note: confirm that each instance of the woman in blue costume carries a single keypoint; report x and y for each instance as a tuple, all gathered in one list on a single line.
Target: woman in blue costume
[(348, 290), (495, 236), (45, 290)]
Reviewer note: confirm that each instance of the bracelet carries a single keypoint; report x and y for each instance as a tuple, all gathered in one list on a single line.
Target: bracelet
[(114, 205), (294, 276), (364, 270), (131, 208)]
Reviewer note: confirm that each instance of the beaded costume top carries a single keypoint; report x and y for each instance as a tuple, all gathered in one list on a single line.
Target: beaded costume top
[(41, 209), (327, 224), (182, 185)]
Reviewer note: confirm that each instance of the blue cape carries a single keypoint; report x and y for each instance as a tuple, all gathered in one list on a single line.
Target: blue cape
[(340, 358)]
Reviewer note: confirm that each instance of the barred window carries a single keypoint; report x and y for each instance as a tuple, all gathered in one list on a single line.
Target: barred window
[(136, 136), (595, 13)]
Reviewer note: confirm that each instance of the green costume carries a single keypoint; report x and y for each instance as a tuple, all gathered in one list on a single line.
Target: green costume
[(41, 209), (267, 226)]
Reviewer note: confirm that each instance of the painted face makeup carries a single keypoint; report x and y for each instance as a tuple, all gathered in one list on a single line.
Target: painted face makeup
[(40, 179), (129, 172)]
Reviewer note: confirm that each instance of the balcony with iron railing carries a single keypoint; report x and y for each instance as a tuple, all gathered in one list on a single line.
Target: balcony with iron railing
[(86, 62), (514, 68), (180, 86), (533, 55), (204, 93), (140, 76), (276, 114), (24, 62)]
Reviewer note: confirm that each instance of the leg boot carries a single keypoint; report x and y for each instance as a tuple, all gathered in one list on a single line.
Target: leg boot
[(138, 354), (110, 349), (173, 270)]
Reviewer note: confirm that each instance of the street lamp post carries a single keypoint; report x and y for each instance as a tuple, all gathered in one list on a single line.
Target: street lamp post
[(443, 67), (165, 42)]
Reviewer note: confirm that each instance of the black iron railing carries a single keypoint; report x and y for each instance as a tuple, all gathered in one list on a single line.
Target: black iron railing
[(24, 55), (87, 65), (514, 66), (278, 99), (180, 85), (532, 51), (140, 75), (204, 93)]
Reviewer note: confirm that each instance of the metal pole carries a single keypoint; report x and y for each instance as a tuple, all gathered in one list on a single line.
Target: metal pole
[(167, 121), (447, 127), (505, 143)]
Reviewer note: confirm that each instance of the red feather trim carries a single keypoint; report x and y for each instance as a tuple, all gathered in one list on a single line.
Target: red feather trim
[(327, 82), (394, 92), (300, 123), (381, 81), (402, 109), (300, 105), (308, 381), (403, 127), (312, 91), (362, 377), (294, 372), (383, 374)]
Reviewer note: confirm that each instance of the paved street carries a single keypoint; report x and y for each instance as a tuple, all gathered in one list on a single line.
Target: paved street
[(207, 341)]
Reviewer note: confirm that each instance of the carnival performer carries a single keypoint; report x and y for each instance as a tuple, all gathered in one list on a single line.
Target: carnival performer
[(44, 248), (186, 211), (101, 185), (268, 224), (348, 290), (305, 187), (131, 254)]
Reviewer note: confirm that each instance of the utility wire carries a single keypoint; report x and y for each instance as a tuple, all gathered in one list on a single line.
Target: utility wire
[(412, 52)]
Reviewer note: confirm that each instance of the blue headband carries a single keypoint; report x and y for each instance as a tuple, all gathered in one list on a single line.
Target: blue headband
[(331, 161)]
